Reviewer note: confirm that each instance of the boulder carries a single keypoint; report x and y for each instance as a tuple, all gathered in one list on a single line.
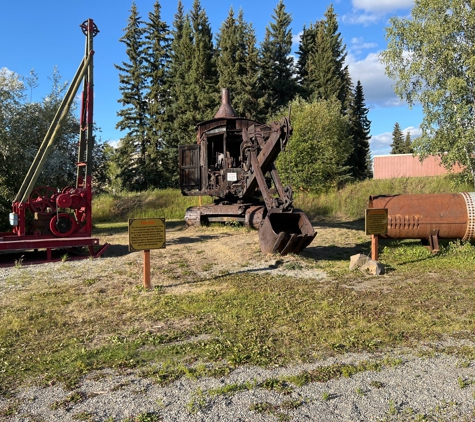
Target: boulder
[(372, 267), (358, 260)]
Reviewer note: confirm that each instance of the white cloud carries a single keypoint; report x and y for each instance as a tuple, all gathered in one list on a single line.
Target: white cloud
[(114, 144), (296, 38), (381, 7), (380, 144), (374, 10), (377, 87), (358, 19), (357, 45)]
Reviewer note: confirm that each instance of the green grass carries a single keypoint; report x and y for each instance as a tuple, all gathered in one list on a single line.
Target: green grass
[(351, 201), (57, 332), (168, 203), (347, 203)]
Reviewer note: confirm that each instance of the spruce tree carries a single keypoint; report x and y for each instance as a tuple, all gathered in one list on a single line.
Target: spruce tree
[(360, 159), (408, 144), (322, 72), (237, 63), (398, 144), (306, 47), (131, 154), (228, 53), (203, 78), (156, 65), (339, 56), (180, 67), (179, 119), (249, 98), (277, 82)]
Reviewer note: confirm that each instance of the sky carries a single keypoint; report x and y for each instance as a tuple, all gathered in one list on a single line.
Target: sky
[(42, 35)]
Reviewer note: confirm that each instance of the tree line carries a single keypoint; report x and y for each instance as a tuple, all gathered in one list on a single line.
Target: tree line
[(171, 81), (172, 77)]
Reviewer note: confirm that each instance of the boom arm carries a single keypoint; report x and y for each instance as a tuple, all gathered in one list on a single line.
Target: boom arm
[(84, 72), (263, 162)]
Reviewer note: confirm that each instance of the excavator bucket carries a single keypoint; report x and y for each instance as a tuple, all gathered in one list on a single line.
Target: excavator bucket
[(285, 232)]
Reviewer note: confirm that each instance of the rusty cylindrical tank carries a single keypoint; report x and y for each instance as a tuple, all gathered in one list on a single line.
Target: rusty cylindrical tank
[(449, 216)]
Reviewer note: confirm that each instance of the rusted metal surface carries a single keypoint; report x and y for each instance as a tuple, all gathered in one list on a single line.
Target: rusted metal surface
[(285, 232), (234, 162), (428, 216), (225, 110)]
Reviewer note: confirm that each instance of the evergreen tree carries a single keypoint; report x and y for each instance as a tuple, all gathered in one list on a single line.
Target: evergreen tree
[(408, 144), (237, 63), (249, 101), (179, 118), (322, 72), (339, 56), (229, 54), (360, 159), (180, 66), (277, 83), (131, 154), (203, 78), (306, 46), (156, 66), (193, 77), (398, 144)]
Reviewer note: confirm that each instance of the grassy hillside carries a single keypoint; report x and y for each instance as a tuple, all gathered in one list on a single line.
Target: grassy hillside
[(347, 203)]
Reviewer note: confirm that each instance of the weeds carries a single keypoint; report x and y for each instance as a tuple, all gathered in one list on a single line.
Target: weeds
[(270, 409), (463, 382), (71, 400), (19, 262)]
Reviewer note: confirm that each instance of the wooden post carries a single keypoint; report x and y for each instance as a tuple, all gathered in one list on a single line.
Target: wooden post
[(146, 270), (374, 247)]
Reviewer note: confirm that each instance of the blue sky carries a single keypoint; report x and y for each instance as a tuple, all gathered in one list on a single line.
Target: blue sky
[(42, 34)]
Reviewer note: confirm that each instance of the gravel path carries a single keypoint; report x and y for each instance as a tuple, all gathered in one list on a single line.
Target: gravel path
[(410, 390)]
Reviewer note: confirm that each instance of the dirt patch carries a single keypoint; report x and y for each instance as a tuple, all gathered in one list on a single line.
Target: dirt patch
[(194, 257)]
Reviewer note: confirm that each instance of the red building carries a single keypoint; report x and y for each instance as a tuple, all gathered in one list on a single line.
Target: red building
[(407, 165)]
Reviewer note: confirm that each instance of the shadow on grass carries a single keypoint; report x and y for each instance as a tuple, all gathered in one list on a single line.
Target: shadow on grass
[(358, 225), (335, 252), (109, 229)]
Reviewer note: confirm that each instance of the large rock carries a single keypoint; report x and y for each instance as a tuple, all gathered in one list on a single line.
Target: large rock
[(358, 260), (372, 267), (366, 264)]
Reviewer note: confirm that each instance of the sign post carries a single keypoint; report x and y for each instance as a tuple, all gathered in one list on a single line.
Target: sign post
[(146, 234), (376, 223)]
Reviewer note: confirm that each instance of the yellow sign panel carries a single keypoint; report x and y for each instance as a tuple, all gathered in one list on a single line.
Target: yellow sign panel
[(146, 233), (376, 221)]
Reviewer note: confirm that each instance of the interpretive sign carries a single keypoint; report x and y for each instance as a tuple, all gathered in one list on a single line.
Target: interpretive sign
[(376, 221), (146, 234)]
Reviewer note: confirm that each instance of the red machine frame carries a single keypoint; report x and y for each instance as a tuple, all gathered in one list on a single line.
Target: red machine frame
[(46, 217)]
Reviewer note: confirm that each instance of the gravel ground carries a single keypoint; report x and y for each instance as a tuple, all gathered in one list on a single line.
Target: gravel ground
[(414, 389)]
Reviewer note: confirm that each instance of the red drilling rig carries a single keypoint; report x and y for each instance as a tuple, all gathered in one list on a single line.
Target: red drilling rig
[(47, 217)]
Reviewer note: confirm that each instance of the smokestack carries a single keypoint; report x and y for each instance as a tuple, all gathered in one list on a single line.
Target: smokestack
[(225, 110)]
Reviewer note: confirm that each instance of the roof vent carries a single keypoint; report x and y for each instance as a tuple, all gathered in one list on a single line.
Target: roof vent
[(225, 110)]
